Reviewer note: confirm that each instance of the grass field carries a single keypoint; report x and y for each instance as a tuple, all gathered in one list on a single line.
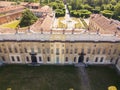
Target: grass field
[(21, 77), (12, 24), (60, 24), (79, 23), (101, 77)]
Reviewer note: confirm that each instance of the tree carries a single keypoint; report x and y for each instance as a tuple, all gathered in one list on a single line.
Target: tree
[(117, 10), (27, 19), (113, 2)]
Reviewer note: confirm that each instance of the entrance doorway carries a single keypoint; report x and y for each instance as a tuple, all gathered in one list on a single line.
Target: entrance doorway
[(33, 57), (81, 57)]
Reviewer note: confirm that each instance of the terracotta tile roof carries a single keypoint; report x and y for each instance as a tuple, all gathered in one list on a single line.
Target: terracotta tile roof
[(47, 23), (33, 4), (11, 8), (109, 26), (6, 30), (5, 3), (44, 9)]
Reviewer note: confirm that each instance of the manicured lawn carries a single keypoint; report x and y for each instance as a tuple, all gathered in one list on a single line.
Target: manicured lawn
[(101, 77), (12, 24), (60, 24), (79, 23), (22, 77)]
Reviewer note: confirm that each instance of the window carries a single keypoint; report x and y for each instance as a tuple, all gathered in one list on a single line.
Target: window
[(51, 45), (18, 58), (27, 58), (66, 59), (101, 60), (39, 51), (82, 50), (109, 52), (5, 51), (66, 51), (103, 51), (25, 50), (96, 59), (32, 50), (13, 59), (75, 50), (43, 45), (48, 59), (74, 59), (0, 50), (98, 51), (71, 51), (21, 50), (94, 45), (47, 50), (51, 51), (115, 50), (93, 52), (10, 50), (43, 51), (116, 61), (40, 59), (87, 59), (111, 59), (89, 50), (16, 51), (3, 58)]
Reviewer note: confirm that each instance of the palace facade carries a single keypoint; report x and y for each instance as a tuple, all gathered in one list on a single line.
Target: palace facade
[(39, 43)]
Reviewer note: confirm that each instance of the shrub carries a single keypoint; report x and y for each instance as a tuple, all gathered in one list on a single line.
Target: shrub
[(107, 13)]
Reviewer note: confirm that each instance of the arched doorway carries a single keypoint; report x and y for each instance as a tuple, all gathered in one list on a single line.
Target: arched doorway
[(81, 57), (33, 57)]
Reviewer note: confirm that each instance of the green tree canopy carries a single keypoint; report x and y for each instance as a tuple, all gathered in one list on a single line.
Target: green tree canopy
[(28, 18), (117, 9)]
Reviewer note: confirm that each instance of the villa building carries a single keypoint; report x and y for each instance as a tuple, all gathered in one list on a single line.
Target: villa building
[(39, 43)]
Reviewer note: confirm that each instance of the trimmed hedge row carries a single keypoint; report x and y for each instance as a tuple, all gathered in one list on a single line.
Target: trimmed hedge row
[(59, 12), (80, 13), (107, 13)]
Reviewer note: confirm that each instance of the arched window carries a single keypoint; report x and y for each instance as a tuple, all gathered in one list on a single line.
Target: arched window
[(111, 59), (16, 51), (87, 59), (101, 60), (74, 59), (25, 50), (48, 59), (3, 58), (39, 50), (66, 59), (18, 58), (96, 59), (13, 59), (27, 58), (40, 59)]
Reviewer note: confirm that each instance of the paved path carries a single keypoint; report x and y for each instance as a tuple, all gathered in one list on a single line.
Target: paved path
[(85, 85)]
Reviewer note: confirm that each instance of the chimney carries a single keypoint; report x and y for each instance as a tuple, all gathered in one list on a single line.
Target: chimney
[(51, 31), (16, 30), (115, 33), (41, 30), (98, 31), (28, 29), (63, 31), (72, 31)]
